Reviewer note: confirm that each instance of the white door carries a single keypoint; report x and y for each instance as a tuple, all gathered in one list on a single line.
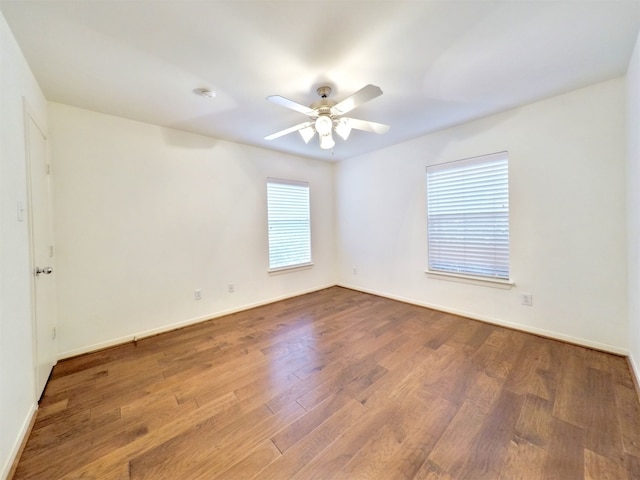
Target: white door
[(41, 235)]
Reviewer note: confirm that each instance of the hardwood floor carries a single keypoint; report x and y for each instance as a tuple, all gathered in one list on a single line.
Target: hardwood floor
[(338, 384)]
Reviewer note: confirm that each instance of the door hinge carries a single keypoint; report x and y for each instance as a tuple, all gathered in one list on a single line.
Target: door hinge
[(50, 250), (55, 333), (20, 211), (48, 169)]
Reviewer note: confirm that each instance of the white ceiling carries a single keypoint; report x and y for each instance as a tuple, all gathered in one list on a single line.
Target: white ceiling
[(439, 63)]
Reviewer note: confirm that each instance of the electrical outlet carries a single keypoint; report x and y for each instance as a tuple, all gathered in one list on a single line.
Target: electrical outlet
[(197, 294), (527, 299), (231, 288)]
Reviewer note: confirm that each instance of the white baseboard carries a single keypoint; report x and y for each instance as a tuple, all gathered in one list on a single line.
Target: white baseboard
[(495, 321), (19, 441), (183, 323), (635, 372), (503, 323)]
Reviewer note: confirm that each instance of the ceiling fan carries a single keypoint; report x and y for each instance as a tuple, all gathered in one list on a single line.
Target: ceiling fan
[(326, 116)]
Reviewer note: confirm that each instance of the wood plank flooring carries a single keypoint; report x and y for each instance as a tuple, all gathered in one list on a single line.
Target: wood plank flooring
[(338, 384)]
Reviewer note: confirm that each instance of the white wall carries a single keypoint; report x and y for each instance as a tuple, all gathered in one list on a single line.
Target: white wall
[(147, 214), (633, 204), (17, 371), (568, 214)]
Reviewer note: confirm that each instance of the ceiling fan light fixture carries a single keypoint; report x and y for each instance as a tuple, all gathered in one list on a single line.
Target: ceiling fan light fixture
[(343, 129), (307, 133), (323, 125), (326, 141), (325, 116)]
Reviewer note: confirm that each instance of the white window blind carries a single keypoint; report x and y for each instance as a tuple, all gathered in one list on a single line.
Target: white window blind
[(289, 224), (468, 216)]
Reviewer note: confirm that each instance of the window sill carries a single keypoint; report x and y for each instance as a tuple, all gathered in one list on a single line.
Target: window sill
[(290, 268), (481, 281)]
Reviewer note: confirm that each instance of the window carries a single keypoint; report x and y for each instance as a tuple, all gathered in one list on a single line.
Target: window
[(468, 217), (289, 224)]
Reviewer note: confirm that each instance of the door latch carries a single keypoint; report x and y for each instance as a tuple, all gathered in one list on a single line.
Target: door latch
[(45, 270)]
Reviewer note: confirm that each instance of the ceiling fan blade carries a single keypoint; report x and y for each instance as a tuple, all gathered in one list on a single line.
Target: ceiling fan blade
[(367, 126), (361, 96), (295, 128), (285, 102)]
